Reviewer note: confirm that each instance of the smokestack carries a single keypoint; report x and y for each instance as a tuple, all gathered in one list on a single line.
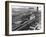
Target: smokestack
[(37, 8)]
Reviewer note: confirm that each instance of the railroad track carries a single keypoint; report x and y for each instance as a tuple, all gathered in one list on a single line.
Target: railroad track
[(23, 25)]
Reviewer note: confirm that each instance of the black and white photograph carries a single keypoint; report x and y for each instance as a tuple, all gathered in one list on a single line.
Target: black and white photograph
[(25, 18)]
